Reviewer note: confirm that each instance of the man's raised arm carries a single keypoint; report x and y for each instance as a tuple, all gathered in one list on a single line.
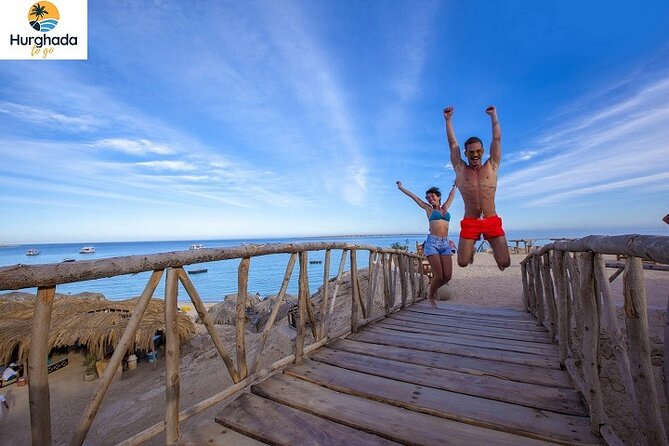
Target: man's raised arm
[(456, 159), (496, 144)]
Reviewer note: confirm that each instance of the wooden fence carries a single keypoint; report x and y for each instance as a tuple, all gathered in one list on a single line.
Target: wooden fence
[(387, 264), (566, 287)]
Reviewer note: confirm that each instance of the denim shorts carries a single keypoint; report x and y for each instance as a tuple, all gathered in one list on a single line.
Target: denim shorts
[(437, 245)]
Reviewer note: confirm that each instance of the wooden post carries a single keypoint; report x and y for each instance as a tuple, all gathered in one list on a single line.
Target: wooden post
[(277, 306), (393, 281), (538, 291), (326, 292), (575, 307), (126, 339), (618, 343), (302, 296), (340, 275), (386, 282), (526, 291), (207, 322), (636, 323), (370, 299), (38, 384), (309, 304), (421, 284), (374, 276), (549, 293), (171, 359), (355, 297), (401, 260), (562, 299), (240, 317), (409, 271), (591, 343)]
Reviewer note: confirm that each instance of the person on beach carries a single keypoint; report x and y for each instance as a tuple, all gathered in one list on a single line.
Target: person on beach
[(4, 407), (478, 183), (437, 247)]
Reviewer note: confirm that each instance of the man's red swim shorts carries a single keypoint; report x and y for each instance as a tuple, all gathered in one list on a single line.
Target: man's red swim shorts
[(473, 228)]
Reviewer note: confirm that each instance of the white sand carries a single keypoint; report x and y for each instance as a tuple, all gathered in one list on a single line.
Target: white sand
[(137, 401)]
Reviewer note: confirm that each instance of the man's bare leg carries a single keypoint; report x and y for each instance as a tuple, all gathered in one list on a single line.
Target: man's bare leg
[(466, 251), (500, 251)]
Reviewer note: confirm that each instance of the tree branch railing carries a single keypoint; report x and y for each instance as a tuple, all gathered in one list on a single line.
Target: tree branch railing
[(566, 287), (390, 266)]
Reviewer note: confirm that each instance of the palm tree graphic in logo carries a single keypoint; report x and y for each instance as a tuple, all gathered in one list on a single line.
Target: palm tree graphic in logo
[(43, 16)]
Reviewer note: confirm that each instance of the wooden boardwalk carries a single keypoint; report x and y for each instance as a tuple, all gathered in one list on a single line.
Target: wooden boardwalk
[(452, 376)]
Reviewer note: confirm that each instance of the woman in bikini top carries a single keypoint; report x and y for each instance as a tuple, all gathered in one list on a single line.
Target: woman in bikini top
[(437, 247)]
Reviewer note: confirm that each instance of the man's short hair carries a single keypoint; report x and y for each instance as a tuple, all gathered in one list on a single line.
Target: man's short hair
[(433, 190), (473, 140)]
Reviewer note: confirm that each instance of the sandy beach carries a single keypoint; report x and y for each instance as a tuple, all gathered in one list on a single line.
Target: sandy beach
[(135, 401)]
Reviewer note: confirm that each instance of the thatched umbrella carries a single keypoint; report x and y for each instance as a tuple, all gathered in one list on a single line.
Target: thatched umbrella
[(96, 323), (226, 311)]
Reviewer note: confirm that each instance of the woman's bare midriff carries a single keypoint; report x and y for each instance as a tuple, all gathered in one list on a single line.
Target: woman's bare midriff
[(439, 228)]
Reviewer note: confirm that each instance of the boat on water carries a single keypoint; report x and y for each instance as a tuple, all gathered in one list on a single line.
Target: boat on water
[(196, 246), (87, 250), (32, 252), (68, 260), (197, 271), (315, 261)]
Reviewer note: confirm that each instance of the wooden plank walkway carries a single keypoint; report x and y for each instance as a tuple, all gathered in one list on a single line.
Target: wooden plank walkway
[(451, 376)]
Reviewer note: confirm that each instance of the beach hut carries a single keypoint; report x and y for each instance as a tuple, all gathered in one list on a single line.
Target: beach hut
[(96, 323)]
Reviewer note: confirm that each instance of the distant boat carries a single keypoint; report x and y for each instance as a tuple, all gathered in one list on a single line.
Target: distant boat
[(315, 261), (87, 250), (32, 252), (197, 271), (196, 246), (68, 260)]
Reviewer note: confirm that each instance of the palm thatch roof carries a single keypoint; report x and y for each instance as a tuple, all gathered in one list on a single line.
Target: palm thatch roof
[(94, 322)]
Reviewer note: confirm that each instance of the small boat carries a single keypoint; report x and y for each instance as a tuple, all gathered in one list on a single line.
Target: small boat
[(197, 271), (87, 250), (196, 246), (315, 261), (68, 260), (32, 252)]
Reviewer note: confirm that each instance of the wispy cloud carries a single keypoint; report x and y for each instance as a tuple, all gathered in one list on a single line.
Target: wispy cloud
[(168, 165), (44, 116), (608, 145), (134, 146)]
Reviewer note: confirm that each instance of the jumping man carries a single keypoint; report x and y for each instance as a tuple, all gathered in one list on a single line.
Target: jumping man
[(478, 183)]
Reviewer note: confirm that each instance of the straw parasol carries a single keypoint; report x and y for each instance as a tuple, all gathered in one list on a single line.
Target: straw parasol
[(75, 320)]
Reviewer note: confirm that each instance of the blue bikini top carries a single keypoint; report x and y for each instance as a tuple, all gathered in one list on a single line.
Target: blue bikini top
[(437, 215)]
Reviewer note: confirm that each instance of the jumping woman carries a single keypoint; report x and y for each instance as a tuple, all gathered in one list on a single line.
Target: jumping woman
[(437, 246)]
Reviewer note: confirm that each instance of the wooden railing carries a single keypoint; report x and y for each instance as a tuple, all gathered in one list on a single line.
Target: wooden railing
[(565, 286), (390, 264)]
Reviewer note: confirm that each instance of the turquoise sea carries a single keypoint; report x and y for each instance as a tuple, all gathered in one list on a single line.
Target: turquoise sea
[(266, 272)]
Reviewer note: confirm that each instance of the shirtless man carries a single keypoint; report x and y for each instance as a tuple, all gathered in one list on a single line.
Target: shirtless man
[(477, 183)]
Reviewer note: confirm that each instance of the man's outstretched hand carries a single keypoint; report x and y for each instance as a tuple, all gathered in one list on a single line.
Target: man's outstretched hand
[(448, 113), (491, 111)]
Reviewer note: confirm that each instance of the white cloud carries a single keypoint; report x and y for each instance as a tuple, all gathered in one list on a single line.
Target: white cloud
[(49, 117), (168, 165), (134, 146)]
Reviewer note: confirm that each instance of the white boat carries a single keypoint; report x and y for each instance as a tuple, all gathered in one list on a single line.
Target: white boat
[(196, 246), (87, 250), (32, 252)]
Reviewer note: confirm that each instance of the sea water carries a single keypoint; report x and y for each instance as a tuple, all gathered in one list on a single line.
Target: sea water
[(265, 272)]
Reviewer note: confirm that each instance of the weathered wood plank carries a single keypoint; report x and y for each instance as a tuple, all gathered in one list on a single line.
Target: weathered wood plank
[(481, 335), (503, 314), (463, 364), (474, 322), (395, 423), (401, 340), (494, 388), (498, 415), (276, 424), (463, 341), (533, 336), (212, 433), (536, 331)]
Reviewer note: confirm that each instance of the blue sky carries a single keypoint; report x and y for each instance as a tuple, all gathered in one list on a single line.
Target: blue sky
[(196, 120)]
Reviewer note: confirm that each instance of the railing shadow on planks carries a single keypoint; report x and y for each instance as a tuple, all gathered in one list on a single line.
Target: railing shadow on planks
[(566, 288), (396, 268)]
